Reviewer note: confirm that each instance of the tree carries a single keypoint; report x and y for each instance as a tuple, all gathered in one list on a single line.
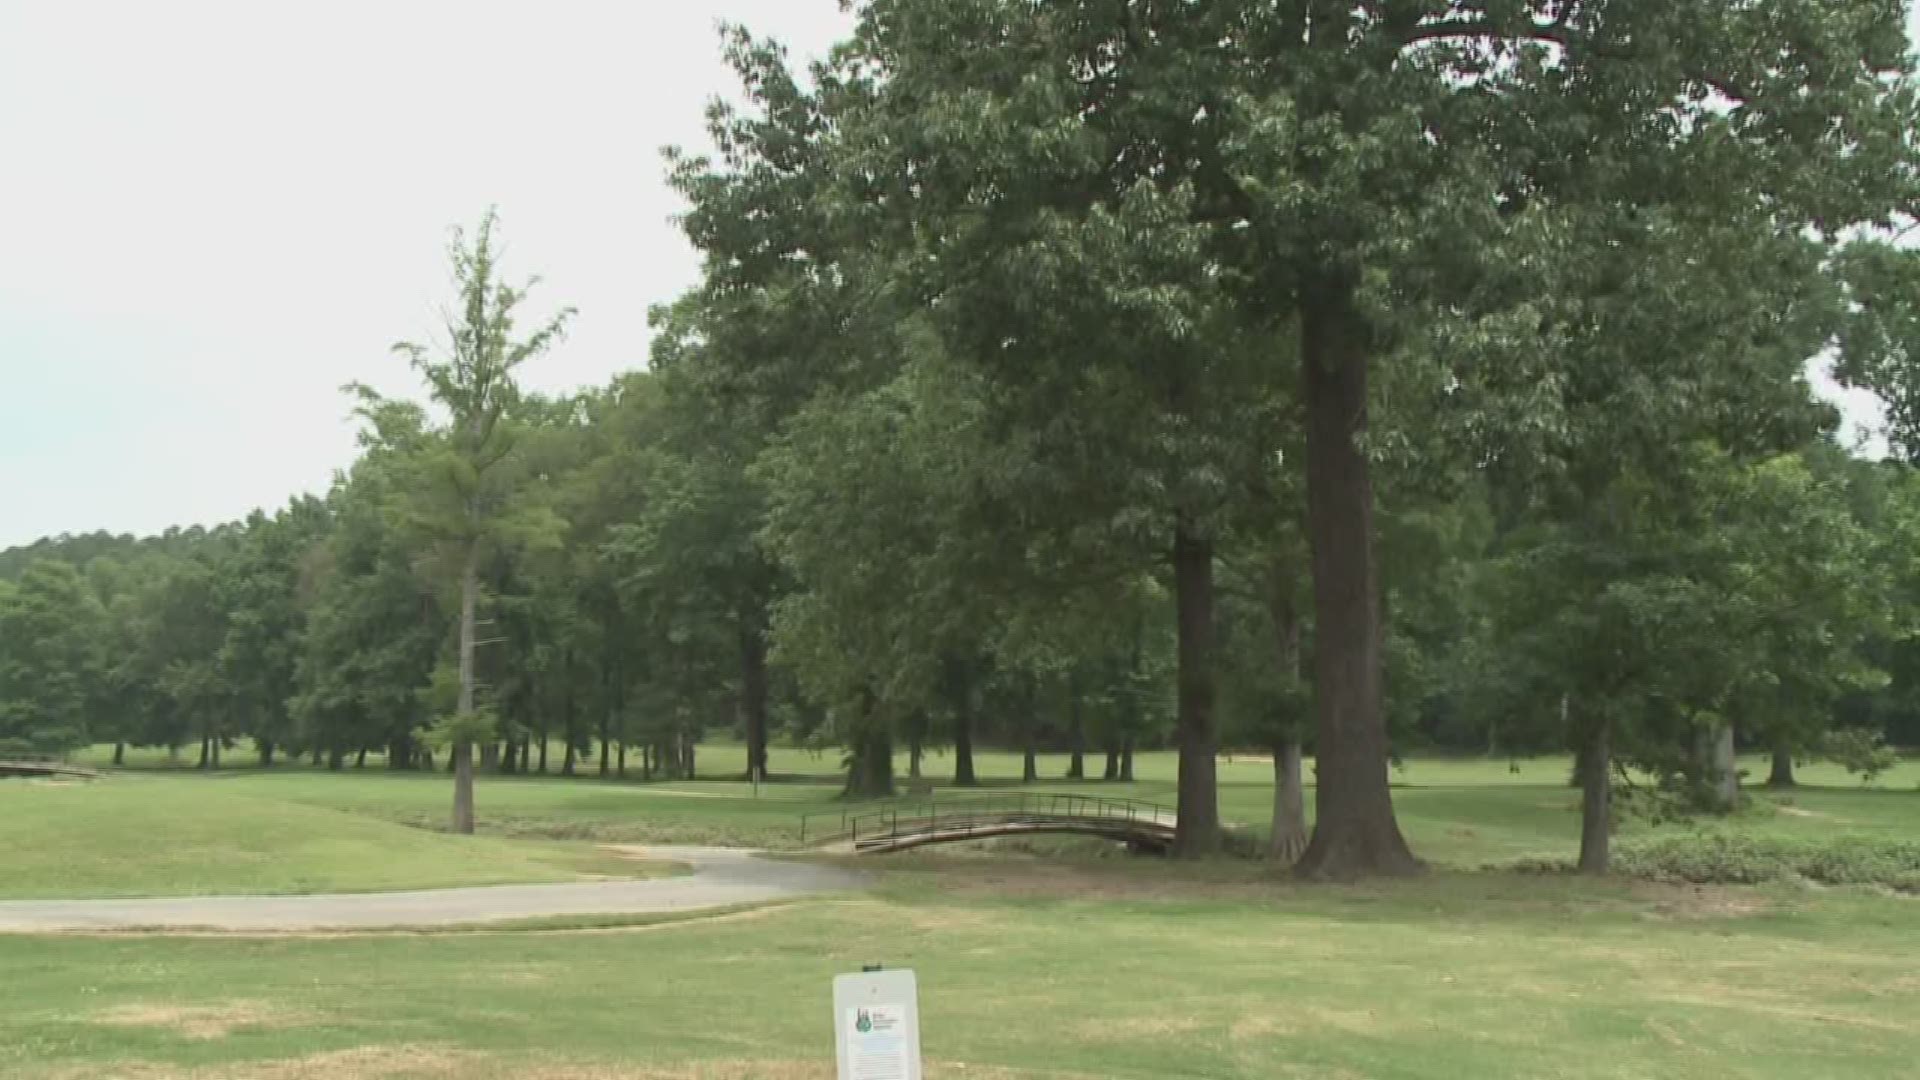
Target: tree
[(49, 624), (460, 504)]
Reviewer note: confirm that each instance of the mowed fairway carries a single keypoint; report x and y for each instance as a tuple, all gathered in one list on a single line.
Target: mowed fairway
[(1087, 967)]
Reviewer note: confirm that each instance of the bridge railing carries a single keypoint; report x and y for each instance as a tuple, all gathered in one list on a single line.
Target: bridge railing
[(958, 811)]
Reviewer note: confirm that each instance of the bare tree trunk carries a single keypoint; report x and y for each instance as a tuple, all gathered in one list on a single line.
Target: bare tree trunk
[(621, 770), (753, 697), (1289, 836), (963, 775), (542, 736), (266, 753), (1781, 776), (870, 772), (1354, 830), (1719, 768), (463, 745), (1197, 831), (914, 752), (119, 753), (1126, 760), (1596, 802), (1077, 764)]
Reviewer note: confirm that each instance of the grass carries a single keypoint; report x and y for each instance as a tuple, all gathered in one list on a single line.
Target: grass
[(133, 836), (1029, 971), (1072, 967), (1456, 812)]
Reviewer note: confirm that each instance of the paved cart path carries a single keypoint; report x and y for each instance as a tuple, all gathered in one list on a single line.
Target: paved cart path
[(721, 877)]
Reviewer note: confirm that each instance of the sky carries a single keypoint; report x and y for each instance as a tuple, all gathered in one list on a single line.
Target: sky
[(216, 213)]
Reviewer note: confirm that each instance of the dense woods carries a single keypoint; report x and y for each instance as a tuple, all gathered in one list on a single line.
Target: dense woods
[(1329, 381)]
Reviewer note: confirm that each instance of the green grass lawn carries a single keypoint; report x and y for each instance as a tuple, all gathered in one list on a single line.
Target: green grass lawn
[(1028, 971), (1078, 968), (140, 836), (1456, 812)]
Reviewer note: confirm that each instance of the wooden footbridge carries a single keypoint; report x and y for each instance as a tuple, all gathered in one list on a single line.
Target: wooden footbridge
[(899, 826), (47, 768)]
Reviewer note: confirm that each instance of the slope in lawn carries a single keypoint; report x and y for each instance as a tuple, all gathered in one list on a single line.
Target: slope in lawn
[(133, 837)]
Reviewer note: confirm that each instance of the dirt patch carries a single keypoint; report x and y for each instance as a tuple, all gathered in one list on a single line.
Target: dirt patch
[(204, 1022), (1685, 902)]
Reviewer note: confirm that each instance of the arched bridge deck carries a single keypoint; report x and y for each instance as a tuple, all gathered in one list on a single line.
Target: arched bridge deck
[(909, 825), (47, 768)]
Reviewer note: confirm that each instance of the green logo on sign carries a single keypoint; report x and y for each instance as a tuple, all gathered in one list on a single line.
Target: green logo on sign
[(863, 1023)]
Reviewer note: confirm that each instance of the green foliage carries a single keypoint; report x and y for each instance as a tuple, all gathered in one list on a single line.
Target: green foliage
[(1863, 753), (1734, 859)]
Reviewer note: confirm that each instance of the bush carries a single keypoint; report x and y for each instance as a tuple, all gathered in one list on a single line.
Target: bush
[(1724, 858)]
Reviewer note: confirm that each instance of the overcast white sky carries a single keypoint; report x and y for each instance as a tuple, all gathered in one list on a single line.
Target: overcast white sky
[(214, 214)]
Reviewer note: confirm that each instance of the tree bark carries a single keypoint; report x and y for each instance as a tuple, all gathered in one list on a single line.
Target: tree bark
[(1719, 768), (206, 752), (963, 775), (621, 769), (1030, 768), (1126, 760), (1289, 836), (463, 745), (510, 757), (543, 749), (1781, 776), (119, 753), (1077, 764), (1354, 830), (753, 696), (1596, 802), (266, 753), (914, 752), (1112, 771), (1197, 831), (606, 746), (870, 767)]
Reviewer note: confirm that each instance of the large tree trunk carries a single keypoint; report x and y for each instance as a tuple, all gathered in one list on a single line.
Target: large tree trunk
[(753, 696), (1719, 768), (963, 775), (1197, 831), (1126, 760), (567, 733), (1112, 771), (266, 752), (621, 767), (119, 753), (914, 752), (206, 752), (463, 746), (1596, 802), (1289, 836), (870, 767), (1354, 831), (1077, 764), (1781, 776), (542, 736), (1029, 768)]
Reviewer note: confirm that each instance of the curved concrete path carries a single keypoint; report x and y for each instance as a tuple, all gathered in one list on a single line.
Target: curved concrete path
[(722, 877)]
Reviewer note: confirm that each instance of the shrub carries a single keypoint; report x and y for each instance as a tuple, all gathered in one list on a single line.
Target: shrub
[(1725, 858)]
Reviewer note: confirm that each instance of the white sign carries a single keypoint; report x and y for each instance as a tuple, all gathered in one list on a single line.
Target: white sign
[(876, 1022)]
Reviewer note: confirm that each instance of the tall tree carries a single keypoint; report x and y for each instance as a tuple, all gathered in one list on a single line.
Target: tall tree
[(461, 503)]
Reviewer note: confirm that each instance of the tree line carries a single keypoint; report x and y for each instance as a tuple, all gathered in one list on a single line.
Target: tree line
[(1336, 379)]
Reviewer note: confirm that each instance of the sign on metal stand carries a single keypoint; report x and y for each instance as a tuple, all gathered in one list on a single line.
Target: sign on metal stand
[(876, 1025)]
